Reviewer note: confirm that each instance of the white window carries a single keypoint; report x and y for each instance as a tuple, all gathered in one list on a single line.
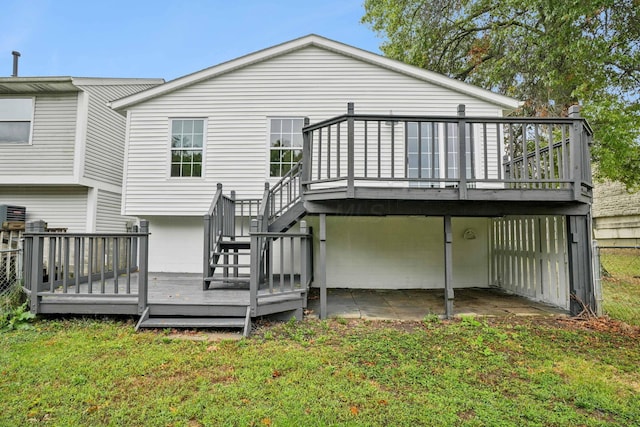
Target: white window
[(423, 157), (16, 115), (187, 142), (425, 143), (285, 144)]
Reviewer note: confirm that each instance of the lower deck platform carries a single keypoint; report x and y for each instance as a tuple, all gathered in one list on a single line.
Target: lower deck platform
[(181, 294)]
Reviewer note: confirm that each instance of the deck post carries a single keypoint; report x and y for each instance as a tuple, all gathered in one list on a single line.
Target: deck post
[(306, 158), (576, 150), (350, 150), (143, 271), (581, 283), (35, 252), (206, 251), (303, 254), (322, 268), (448, 268), (462, 153), (254, 276)]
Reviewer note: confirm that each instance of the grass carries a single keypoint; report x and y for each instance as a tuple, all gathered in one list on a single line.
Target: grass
[(464, 373), (621, 287)]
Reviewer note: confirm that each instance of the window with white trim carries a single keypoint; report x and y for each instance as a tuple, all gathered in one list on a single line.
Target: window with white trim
[(285, 144), (432, 151), (187, 142), (16, 115)]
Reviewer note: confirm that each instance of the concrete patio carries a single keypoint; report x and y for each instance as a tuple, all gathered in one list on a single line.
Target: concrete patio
[(415, 304)]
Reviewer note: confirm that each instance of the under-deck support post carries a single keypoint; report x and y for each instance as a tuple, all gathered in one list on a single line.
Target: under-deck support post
[(322, 268), (448, 268), (581, 283)]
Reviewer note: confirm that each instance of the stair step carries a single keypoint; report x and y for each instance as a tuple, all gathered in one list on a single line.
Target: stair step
[(216, 265), (193, 322), (239, 279), (243, 253), (235, 245)]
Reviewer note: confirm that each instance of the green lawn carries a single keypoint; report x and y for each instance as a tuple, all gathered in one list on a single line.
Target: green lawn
[(621, 287), (464, 373)]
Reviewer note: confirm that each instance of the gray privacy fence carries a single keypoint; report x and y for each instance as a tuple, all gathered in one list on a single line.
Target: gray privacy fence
[(620, 273)]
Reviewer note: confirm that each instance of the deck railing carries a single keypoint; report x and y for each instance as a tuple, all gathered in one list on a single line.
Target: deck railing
[(290, 272), (69, 265), (286, 192), (229, 218), (456, 152)]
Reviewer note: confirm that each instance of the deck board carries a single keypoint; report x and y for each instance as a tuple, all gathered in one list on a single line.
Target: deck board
[(164, 288)]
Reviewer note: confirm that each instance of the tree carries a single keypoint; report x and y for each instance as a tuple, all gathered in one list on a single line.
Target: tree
[(550, 54)]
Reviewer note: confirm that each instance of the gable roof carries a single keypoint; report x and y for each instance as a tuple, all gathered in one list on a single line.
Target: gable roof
[(323, 43)]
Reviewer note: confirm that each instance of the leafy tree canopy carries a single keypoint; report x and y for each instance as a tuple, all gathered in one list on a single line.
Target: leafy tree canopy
[(549, 53)]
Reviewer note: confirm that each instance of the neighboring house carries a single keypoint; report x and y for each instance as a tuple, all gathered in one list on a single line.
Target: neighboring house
[(382, 189), (62, 147), (616, 215)]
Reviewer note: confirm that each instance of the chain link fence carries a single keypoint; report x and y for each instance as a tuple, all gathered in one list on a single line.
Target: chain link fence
[(10, 270), (620, 271), (10, 279)]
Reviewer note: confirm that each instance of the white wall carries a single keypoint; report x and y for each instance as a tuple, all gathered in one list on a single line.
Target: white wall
[(362, 252), (400, 252), (175, 244), (311, 82)]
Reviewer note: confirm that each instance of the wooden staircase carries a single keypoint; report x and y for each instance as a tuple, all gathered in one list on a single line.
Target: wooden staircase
[(234, 270), (240, 274), (224, 317)]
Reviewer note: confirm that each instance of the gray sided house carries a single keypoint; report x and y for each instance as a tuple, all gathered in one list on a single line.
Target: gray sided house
[(62, 149), (616, 215), (314, 163)]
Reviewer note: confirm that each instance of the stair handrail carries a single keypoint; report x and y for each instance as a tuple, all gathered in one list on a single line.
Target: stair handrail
[(281, 200), (215, 227)]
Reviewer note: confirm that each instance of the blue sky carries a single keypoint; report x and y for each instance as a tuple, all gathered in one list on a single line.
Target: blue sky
[(162, 38)]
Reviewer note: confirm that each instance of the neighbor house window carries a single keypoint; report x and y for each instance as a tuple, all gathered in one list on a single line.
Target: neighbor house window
[(285, 142), (187, 138), (16, 115)]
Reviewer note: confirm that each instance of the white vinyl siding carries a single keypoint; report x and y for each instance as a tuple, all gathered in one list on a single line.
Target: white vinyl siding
[(311, 82), (108, 218), (59, 207), (105, 133), (51, 152)]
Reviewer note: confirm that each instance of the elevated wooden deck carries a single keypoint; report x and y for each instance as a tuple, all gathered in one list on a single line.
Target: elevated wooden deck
[(404, 165)]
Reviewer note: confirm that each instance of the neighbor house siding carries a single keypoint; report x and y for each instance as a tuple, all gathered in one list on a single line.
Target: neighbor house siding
[(616, 215), (108, 218), (311, 82), (51, 152), (58, 206), (105, 133)]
